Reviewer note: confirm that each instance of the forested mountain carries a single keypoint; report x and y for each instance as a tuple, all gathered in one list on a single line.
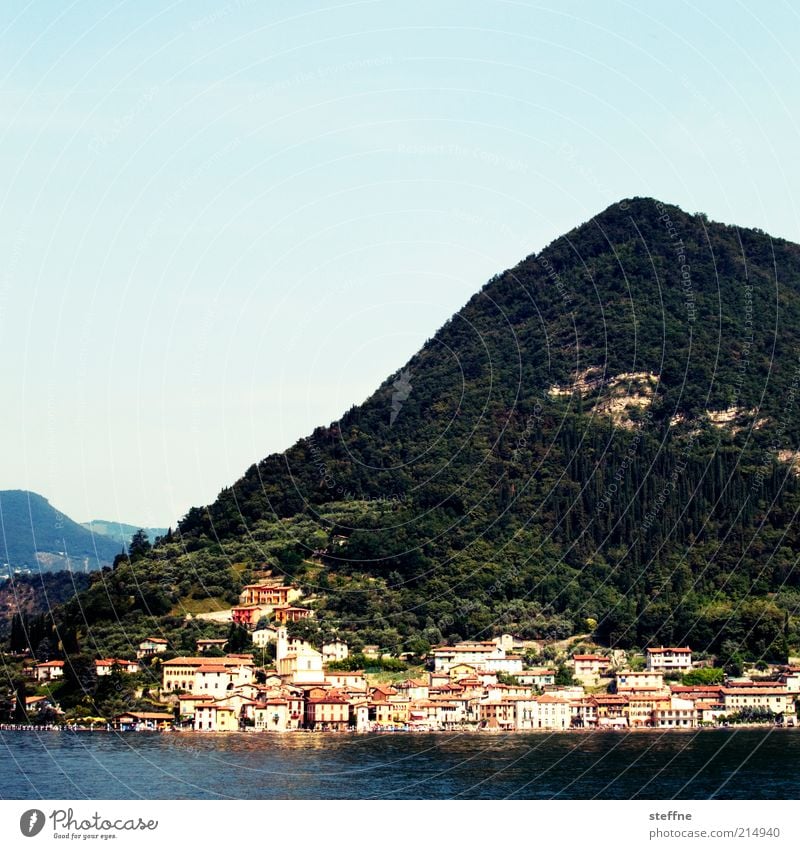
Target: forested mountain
[(602, 438), (36, 536)]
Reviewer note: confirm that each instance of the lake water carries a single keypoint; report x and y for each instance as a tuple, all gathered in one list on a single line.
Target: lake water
[(724, 764)]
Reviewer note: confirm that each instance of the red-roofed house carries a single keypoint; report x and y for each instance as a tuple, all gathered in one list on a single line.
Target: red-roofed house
[(105, 666), (669, 659), (589, 667), (151, 646), (328, 713), (49, 671)]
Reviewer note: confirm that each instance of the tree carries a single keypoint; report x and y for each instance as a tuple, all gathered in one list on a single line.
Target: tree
[(20, 712), (139, 545), (703, 677), (18, 641), (564, 676), (238, 638)]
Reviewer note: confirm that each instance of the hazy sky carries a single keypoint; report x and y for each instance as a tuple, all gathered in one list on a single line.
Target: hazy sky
[(224, 223)]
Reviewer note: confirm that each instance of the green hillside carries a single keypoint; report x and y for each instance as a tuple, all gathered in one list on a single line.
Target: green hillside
[(601, 437)]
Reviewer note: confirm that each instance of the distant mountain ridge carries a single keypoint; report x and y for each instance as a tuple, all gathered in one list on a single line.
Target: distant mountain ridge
[(35, 536), (120, 531)]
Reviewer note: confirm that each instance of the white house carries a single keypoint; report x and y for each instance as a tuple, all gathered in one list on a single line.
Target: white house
[(335, 650), (663, 659), (264, 636)]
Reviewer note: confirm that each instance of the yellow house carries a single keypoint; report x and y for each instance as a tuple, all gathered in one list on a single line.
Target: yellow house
[(212, 717), (461, 670)]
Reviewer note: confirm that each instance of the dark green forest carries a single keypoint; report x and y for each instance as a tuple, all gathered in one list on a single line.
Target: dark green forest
[(467, 497)]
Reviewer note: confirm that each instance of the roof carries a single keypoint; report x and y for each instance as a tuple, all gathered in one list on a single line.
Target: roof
[(154, 640), (649, 673), (50, 663), (210, 670), (663, 650), (755, 691), (591, 657), (459, 649), (145, 715), (609, 699), (230, 660)]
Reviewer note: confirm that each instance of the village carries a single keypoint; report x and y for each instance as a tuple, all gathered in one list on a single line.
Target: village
[(480, 685)]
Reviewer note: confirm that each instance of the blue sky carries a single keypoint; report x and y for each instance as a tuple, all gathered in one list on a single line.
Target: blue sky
[(224, 223)]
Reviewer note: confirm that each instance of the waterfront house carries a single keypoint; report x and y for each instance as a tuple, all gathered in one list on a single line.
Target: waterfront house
[(497, 714), (187, 705), (142, 721), (209, 716), (330, 712), (526, 712), (774, 698), (611, 710), (39, 705), (272, 715), (708, 712), (359, 715), (644, 703), (553, 712), (676, 713)]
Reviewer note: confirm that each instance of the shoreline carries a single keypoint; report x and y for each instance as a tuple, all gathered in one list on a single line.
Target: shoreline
[(495, 732)]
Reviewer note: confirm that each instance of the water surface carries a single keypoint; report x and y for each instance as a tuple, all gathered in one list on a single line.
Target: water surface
[(723, 764)]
